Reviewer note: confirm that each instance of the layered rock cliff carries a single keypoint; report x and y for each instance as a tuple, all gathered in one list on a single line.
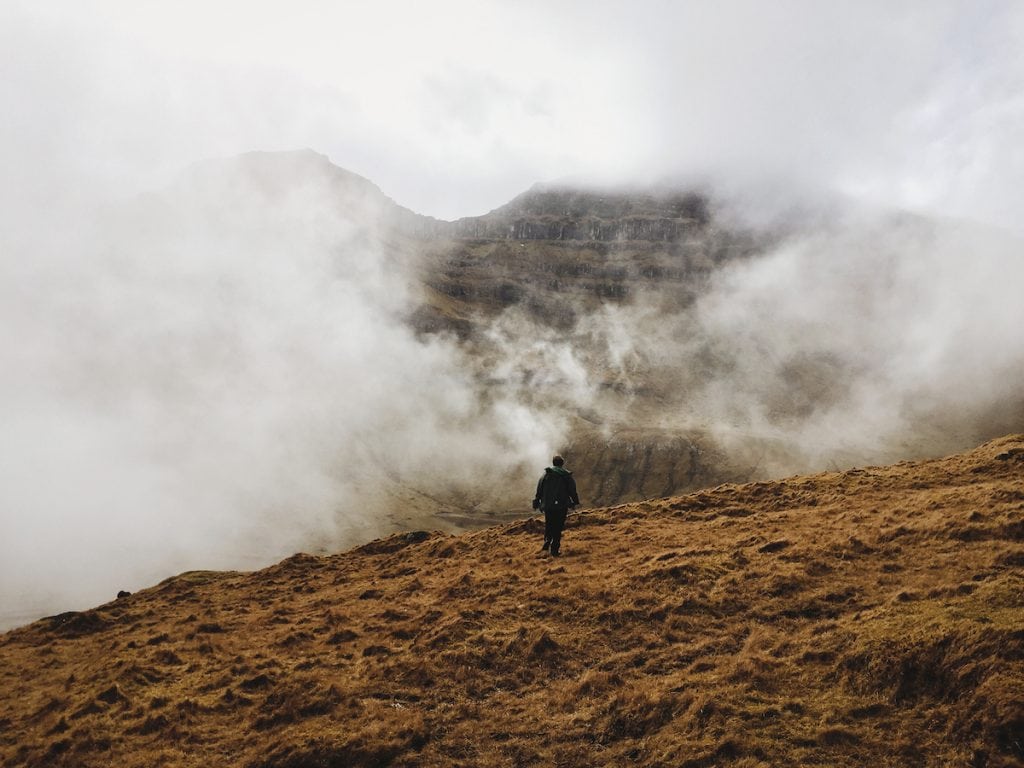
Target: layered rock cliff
[(560, 251)]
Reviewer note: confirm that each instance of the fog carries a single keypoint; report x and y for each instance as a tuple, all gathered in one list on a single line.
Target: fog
[(884, 339), (221, 376), (859, 337), (201, 370)]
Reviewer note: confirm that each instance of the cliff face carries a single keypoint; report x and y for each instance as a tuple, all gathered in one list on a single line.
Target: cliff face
[(560, 251), (552, 260), (541, 267), (648, 463), (557, 213), (592, 273), (871, 617)]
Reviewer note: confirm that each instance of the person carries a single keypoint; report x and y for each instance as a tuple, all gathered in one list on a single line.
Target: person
[(556, 495)]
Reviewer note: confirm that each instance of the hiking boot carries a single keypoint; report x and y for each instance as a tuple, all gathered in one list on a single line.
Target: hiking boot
[(547, 544)]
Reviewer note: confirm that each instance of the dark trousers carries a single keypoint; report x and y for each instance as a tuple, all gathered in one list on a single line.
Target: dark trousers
[(554, 523)]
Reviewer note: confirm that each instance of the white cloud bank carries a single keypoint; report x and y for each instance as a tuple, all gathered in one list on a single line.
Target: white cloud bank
[(218, 376)]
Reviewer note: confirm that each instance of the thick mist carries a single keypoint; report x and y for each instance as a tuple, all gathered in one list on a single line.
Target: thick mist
[(880, 337), (855, 335), (218, 375)]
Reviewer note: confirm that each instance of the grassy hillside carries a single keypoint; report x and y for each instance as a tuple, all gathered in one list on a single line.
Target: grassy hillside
[(870, 617)]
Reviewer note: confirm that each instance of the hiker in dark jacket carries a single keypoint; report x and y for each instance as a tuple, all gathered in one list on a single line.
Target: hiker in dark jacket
[(556, 495)]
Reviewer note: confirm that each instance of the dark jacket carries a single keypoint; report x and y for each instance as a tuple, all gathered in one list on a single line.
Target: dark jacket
[(556, 490)]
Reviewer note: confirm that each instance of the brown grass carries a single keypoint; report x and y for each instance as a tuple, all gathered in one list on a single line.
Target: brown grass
[(872, 617)]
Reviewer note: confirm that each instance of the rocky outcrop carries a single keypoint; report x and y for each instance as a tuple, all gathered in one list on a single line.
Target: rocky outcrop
[(588, 228), (636, 464), (558, 252), (564, 213)]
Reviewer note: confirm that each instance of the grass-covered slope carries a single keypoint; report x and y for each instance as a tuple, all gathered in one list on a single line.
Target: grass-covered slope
[(870, 617)]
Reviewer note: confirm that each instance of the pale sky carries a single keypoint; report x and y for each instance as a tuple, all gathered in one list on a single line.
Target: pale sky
[(454, 107)]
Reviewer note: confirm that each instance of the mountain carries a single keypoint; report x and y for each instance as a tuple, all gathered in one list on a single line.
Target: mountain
[(640, 316), (545, 267), (549, 262), (271, 355), (866, 617), (561, 252), (719, 343)]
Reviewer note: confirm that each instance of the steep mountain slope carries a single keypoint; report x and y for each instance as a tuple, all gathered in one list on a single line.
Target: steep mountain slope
[(550, 262), (633, 324), (867, 617), (530, 290), (561, 252)]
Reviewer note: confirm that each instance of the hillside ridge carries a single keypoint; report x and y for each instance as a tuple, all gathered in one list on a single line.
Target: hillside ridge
[(872, 616)]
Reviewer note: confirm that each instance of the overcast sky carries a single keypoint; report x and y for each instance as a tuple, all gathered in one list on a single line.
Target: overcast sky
[(453, 107)]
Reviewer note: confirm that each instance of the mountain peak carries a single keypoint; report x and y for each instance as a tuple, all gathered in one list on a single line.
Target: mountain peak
[(563, 199)]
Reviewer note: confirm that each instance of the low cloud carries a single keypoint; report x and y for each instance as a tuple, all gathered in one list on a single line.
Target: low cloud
[(219, 375), (857, 336)]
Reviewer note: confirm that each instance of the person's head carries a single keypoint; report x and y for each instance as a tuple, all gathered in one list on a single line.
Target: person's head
[(558, 461)]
